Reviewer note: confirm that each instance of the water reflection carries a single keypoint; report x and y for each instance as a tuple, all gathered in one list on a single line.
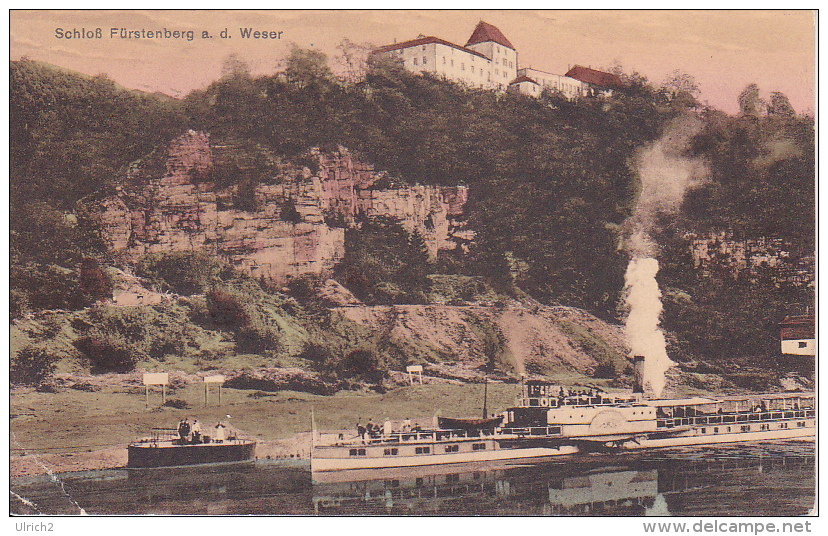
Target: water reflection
[(766, 479)]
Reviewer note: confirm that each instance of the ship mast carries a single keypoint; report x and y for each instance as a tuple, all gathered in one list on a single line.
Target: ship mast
[(485, 394)]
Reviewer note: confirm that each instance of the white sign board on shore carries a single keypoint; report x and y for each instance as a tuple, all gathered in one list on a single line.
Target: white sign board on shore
[(217, 378), (156, 378), (411, 369)]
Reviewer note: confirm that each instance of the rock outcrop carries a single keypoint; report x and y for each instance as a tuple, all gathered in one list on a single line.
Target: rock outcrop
[(289, 222)]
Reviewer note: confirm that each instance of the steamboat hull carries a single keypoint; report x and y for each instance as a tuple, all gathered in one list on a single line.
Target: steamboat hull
[(169, 454), (429, 453), (693, 437)]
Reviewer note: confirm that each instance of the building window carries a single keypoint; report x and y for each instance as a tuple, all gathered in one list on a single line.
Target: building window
[(444, 60), (497, 71), (462, 66), (415, 61), (505, 61), (452, 63), (803, 344), (424, 47), (425, 60)]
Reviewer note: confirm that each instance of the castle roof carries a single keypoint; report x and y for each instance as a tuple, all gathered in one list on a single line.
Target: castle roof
[(487, 32), (523, 78), (594, 77), (425, 41)]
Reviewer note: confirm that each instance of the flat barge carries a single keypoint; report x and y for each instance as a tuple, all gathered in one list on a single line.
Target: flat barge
[(163, 449)]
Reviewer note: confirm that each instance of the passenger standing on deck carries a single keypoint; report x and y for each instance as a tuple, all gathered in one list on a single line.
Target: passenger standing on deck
[(406, 427), (221, 432), (369, 428), (196, 430), (361, 431), (183, 430), (386, 427)]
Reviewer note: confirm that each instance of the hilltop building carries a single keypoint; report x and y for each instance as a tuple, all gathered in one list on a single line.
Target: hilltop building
[(533, 82), (598, 82), (488, 60)]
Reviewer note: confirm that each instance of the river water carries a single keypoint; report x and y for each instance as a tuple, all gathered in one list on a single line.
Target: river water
[(755, 479)]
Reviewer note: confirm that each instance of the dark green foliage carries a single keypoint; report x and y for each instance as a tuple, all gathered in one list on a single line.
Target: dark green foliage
[(184, 272), (226, 308), (363, 364), (762, 181), (93, 280), (289, 213), (71, 134), (48, 287), (384, 263), (604, 371), (723, 320), (245, 197), (176, 403), (106, 355), (761, 186), (31, 366)]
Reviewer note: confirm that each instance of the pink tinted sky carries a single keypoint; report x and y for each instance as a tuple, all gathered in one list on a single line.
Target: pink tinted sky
[(723, 50)]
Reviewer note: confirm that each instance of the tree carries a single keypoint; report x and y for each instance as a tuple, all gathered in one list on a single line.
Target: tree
[(750, 104), (307, 67), (384, 263), (353, 58), (233, 66), (780, 106), (682, 89), (31, 366)]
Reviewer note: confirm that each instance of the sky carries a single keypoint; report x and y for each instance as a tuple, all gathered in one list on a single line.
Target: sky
[(724, 50)]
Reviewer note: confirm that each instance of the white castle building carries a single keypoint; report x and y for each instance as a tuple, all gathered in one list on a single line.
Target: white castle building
[(533, 82), (488, 60)]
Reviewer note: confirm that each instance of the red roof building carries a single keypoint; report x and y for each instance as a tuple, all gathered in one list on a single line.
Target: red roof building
[(798, 335), (486, 32), (595, 78)]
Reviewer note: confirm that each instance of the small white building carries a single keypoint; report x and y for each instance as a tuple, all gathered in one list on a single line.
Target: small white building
[(798, 335), (533, 81), (488, 60)]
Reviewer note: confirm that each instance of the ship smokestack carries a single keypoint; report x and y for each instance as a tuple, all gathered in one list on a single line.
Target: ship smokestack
[(638, 374)]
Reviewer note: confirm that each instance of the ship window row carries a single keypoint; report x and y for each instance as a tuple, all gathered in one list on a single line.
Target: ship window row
[(391, 452), (452, 448), (356, 452), (422, 450), (479, 446)]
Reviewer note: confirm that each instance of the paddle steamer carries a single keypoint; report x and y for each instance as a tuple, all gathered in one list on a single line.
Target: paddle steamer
[(551, 421)]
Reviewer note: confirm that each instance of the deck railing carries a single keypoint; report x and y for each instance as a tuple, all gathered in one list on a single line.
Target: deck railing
[(672, 422)]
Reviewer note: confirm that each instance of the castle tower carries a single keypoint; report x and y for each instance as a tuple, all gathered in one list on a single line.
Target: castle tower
[(488, 40)]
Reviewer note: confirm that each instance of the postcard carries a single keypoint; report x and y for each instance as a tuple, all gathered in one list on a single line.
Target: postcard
[(434, 263)]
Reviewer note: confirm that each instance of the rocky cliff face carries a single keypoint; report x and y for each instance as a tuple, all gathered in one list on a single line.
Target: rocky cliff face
[(293, 221)]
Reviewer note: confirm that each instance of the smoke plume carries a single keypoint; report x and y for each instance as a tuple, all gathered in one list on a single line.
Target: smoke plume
[(665, 175)]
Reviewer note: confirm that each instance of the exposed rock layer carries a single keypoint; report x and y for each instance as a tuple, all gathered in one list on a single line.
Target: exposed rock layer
[(296, 219)]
